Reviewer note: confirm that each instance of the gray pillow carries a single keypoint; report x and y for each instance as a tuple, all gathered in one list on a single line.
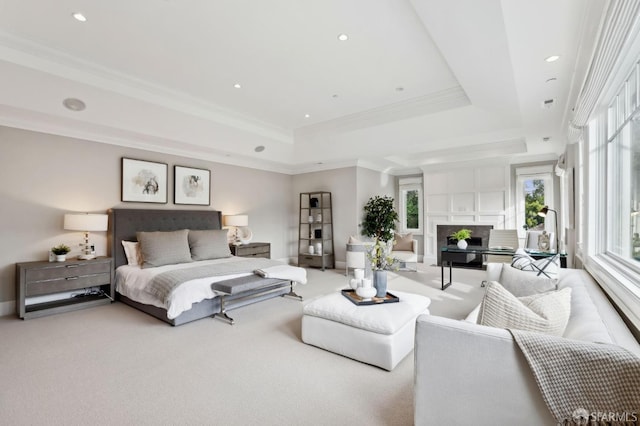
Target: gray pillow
[(522, 283), (164, 248), (211, 244)]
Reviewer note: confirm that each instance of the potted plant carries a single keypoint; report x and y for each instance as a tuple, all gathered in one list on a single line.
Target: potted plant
[(379, 221), (60, 251), (461, 236)]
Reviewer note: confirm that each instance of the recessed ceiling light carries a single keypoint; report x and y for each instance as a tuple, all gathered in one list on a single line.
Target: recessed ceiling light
[(334, 96), (259, 148), (399, 89), (74, 104), (79, 17), (552, 58), (343, 37), (307, 116), (546, 138), (237, 86)]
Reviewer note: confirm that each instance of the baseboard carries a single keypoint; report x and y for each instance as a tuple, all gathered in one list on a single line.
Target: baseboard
[(7, 308)]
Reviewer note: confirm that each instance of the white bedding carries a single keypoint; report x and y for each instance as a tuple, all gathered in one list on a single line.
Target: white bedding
[(131, 282)]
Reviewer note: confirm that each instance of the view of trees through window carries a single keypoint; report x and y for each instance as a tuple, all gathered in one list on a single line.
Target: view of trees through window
[(533, 202), (412, 209)]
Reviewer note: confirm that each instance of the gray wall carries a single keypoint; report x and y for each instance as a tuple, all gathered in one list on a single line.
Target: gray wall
[(44, 176)]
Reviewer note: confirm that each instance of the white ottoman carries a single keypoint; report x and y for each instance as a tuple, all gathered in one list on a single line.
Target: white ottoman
[(380, 335)]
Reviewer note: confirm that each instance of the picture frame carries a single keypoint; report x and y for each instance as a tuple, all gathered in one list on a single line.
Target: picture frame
[(144, 181), (191, 186)]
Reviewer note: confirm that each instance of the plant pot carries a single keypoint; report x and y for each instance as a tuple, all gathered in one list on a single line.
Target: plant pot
[(462, 244), (380, 283), (61, 257)]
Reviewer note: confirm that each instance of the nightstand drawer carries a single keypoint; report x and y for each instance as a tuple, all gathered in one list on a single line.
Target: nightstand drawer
[(56, 271), (65, 284), (252, 250)]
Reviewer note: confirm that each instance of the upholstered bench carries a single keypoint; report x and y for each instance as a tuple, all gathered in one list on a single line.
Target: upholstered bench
[(381, 335)]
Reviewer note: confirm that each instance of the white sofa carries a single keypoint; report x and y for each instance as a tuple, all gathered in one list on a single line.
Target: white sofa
[(467, 373)]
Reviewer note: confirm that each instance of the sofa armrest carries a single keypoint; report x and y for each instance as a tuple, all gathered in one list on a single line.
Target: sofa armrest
[(494, 270), (414, 246), (471, 374)]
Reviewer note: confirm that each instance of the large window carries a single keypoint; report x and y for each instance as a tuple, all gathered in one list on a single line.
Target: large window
[(410, 191)]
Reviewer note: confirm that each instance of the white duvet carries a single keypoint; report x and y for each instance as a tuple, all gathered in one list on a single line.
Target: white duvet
[(131, 281)]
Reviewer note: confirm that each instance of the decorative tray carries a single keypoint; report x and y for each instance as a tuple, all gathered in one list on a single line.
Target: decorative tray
[(357, 300)]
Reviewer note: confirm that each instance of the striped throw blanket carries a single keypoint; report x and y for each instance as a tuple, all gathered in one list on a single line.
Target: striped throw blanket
[(582, 382), (163, 284)]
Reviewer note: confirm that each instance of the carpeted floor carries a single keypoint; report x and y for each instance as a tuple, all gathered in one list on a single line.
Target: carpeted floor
[(116, 365)]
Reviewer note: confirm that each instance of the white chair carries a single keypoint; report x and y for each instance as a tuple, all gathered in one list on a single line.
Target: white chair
[(531, 241), (408, 258), (502, 238), (356, 257)]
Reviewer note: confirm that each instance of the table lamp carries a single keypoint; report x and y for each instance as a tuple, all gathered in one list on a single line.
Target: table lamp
[(543, 212), (86, 222), (237, 221)]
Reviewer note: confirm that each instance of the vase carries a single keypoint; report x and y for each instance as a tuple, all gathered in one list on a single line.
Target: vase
[(380, 283), (61, 257), (462, 244)]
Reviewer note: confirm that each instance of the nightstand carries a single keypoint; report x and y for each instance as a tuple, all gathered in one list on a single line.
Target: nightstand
[(252, 250), (35, 279)]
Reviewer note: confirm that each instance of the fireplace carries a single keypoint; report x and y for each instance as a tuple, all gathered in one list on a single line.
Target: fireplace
[(480, 234)]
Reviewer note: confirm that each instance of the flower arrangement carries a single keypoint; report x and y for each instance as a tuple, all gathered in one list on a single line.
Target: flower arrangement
[(60, 249), (379, 257)]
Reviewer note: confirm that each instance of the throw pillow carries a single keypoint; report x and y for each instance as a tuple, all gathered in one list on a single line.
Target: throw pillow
[(354, 240), (544, 313), (132, 252), (522, 283), (548, 267), (209, 244), (403, 242), (164, 248)]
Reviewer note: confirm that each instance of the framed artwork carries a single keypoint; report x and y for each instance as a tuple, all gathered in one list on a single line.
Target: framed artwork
[(144, 181), (191, 186)]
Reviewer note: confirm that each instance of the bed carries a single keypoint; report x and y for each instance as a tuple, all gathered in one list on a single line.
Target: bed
[(123, 226)]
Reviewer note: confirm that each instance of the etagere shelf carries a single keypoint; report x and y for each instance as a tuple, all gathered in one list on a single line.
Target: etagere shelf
[(315, 230)]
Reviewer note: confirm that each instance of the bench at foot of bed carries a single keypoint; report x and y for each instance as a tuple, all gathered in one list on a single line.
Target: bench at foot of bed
[(248, 288)]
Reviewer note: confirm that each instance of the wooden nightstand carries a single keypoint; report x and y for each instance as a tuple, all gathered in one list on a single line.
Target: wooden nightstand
[(46, 278), (252, 250)]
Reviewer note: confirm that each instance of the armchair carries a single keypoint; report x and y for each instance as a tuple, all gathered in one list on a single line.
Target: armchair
[(405, 249)]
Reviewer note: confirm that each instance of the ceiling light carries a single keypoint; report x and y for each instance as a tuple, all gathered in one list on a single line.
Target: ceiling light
[(552, 58), (237, 85), (343, 37), (259, 148), (546, 138), (74, 104), (334, 96), (79, 17), (307, 116), (399, 89)]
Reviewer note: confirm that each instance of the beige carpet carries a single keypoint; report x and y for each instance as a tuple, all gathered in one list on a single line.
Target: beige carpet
[(116, 365)]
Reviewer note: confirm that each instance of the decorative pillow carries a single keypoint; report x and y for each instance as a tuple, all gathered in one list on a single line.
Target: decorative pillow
[(544, 313), (522, 283), (403, 242), (132, 251), (546, 267), (210, 244), (354, 240), (164, 248)]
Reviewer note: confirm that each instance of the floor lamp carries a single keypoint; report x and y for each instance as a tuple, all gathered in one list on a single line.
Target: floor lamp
[(543, 212)]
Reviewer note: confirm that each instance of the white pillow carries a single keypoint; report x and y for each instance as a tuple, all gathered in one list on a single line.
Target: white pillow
[(132, 251), (544, 313), (546, 267), (522, 283)]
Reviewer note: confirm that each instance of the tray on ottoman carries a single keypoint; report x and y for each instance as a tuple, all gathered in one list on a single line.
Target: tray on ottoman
[(357, 300)]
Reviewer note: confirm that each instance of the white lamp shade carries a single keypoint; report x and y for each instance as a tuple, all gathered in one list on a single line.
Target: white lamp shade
[(236, 220), (86, 222)]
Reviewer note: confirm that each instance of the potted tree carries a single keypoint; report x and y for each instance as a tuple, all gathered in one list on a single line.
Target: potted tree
[(379, 221), (60, 251), (461, 236)]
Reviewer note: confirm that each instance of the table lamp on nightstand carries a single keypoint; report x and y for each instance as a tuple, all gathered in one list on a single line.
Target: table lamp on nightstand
[(239, 222), (86, 222)]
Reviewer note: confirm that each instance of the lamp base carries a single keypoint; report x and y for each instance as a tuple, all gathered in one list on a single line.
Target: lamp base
[(87, 256)]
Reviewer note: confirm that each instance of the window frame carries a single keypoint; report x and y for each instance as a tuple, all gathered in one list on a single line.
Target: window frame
[(405, 185)]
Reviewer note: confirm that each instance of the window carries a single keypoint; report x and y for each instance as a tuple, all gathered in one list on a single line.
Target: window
[(534, 190), (410, 190)]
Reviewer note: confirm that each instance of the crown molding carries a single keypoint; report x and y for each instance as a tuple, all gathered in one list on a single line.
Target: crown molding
[(31, 55)]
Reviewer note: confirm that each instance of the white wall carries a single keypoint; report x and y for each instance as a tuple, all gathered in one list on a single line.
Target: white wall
[(44, 176), (469, 194)]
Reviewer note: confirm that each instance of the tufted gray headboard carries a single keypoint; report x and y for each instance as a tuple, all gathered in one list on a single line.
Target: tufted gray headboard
[(124, 223)]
